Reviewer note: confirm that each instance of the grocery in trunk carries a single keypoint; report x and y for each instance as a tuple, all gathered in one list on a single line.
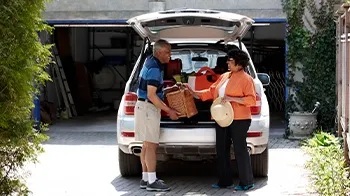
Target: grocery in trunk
[(199, 69)]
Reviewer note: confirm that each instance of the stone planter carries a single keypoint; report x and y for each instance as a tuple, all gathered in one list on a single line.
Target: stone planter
[(301, 124)]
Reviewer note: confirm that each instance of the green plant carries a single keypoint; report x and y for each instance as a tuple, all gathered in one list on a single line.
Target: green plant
[(329, 173), (23, 60), (312, 52), (322, 139)]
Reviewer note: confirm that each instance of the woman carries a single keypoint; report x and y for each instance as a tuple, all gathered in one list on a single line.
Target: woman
[(236, 87)]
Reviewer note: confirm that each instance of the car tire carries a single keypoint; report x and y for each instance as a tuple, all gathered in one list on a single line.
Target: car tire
[(129, 164), (260, 163)]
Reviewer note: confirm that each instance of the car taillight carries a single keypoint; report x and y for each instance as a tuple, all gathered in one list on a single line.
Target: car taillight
[(128, 134), (255, 110), (129, 103), (254, 133)]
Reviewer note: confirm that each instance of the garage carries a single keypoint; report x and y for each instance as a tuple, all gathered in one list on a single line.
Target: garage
[(98, 56), (266, 44)]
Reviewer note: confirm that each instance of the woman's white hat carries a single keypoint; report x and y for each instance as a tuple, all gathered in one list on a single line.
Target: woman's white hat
[(222, 113)]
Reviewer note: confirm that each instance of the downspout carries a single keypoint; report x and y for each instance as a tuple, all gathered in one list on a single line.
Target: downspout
[(286, 64), (36, 112), (36, 101)]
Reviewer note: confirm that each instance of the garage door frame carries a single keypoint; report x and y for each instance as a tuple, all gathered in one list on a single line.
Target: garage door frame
[(91, 23)]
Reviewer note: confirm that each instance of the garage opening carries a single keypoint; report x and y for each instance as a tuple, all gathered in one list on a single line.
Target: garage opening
[(98, 58), (97, 61), (266, 45)]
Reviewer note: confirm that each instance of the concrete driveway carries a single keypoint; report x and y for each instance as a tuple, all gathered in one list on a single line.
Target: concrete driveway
[(86, 164)]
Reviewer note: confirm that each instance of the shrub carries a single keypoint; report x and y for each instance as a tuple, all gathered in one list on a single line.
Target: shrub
[(22, 69), (329, 173), (311, 51)]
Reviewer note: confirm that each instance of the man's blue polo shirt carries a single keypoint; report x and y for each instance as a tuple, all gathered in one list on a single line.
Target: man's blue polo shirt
[(151, 74)]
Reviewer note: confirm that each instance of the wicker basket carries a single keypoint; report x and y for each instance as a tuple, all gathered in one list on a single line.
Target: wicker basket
[(181, 100)]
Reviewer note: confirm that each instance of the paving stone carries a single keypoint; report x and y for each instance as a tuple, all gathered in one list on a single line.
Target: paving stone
[(86, 164)]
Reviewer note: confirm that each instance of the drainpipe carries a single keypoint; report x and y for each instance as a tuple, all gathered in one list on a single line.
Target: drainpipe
[(156, 5)]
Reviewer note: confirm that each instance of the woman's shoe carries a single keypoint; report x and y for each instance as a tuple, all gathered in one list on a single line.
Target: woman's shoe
[(216, 186), (244, 188)]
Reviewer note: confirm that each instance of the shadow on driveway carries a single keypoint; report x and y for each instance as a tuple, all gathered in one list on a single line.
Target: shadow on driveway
[(184, 178)]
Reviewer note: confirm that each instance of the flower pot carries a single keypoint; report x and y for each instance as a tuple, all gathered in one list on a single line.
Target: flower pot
[(301, 124)]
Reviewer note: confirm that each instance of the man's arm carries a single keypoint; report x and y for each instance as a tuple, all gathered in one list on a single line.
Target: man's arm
[(152, 96), (153, 78)]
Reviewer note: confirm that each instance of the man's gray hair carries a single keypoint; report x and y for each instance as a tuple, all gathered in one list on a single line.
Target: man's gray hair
[(159, 45)]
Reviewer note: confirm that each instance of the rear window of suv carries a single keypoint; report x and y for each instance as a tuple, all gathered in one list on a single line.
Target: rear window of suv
[(190, 66)]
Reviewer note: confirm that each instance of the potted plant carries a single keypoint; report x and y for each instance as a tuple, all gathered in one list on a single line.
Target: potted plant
[(302, 124)]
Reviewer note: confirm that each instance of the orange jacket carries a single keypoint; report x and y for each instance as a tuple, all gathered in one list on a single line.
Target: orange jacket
[(240, 85)]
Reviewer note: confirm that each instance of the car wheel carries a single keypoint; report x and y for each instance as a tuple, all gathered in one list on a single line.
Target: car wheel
[(129, 164), (260, 163)]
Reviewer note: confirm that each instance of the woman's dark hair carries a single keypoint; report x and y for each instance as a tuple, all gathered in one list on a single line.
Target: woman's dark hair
[(241, 58)]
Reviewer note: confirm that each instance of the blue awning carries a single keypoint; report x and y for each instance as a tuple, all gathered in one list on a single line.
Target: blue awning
[(123, 22), (53, 22)]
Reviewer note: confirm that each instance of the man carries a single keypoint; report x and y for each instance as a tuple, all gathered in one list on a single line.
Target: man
[(147, 113)]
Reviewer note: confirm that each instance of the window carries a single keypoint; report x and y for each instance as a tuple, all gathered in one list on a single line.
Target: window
[(189, 66)]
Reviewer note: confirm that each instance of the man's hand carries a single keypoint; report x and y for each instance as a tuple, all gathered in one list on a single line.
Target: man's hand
[(173, 114), (151, 94)]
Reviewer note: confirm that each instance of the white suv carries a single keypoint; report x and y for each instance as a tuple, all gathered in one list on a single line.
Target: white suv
[(192, 33)]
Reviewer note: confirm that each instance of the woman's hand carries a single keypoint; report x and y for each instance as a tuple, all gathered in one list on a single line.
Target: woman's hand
[(224, 100), (193, 93), (232, 99)]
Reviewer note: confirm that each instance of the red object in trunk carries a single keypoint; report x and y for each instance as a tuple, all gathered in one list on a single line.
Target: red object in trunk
[(168, 83)]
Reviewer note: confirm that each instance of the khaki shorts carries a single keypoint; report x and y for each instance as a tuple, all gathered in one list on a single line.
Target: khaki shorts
[(147, 122)]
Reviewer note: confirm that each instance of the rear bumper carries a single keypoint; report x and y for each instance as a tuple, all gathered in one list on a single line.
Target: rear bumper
[(166, 149), (192, 141)]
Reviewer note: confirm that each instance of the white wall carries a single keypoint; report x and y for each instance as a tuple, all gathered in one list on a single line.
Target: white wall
[(124, 9)]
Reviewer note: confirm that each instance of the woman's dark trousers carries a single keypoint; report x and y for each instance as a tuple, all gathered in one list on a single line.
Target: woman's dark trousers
[(236, 133)]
